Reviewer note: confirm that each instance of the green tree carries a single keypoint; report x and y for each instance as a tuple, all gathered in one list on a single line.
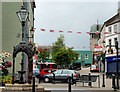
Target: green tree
[(43, 54), (60, 54)]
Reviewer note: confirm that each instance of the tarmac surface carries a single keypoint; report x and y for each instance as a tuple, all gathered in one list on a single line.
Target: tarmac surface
[(63, 87)]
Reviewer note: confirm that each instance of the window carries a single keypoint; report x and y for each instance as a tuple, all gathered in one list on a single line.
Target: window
[(64, 72), (58, 72), (109, 43), (109, 29), (79, 57), (86, 56), (115, 28), (115, 39)]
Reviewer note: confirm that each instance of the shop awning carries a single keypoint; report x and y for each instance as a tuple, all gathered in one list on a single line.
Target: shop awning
[(112, 58)]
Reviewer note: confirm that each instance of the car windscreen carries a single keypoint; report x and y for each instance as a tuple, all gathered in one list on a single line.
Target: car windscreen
[(58, 72)]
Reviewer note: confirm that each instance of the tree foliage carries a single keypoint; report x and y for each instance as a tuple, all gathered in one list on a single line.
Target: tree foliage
[(43, 54), (62, 55)]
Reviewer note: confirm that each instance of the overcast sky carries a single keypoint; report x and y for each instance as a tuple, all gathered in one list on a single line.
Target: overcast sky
[(74, 16)]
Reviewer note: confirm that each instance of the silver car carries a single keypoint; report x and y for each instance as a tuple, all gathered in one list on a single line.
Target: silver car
[(62, 75)]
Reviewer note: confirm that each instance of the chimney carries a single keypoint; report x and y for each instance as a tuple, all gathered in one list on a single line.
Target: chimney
[(119, 8)]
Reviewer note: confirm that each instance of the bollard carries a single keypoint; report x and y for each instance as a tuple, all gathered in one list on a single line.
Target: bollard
[(72, 79), (98, 81), (33, 86), (90, 80), (113, 81), (39, 79), (103, 80), (69, 85), (53, 81)]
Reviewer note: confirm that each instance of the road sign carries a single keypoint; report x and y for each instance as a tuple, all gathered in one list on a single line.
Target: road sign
[(97, 48)]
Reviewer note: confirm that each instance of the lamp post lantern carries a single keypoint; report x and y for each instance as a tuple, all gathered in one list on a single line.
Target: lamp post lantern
[(22, 15)]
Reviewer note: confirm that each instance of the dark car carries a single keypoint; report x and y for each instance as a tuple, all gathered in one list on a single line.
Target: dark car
[(75, 66), (62, 75)]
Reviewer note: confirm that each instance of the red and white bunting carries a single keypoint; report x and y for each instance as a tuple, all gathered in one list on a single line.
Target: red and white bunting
[(69, 31), (106, 32), (84, 47), (96, 32), (66, 46), (87, 32), (78, 32), (115, 32), (78, 47), (60, 31), (42, 29), (72, 46), (51, 30)]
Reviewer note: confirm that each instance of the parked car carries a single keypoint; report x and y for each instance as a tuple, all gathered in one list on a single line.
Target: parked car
[(94, 68), (47, 71), (62, 75), (75, 66)]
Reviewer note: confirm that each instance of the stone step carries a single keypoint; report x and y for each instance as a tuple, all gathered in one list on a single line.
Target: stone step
[(22, 88), (20, 85)]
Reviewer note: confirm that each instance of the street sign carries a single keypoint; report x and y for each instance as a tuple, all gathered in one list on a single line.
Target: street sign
[(97, 48)]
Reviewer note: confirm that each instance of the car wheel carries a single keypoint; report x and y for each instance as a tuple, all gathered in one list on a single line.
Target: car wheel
[(46, 79)]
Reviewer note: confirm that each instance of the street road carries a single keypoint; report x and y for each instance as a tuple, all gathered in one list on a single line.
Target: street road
[(63, 87)]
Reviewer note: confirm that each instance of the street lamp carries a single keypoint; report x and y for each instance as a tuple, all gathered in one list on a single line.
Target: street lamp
[(22, 15), (103, 85)]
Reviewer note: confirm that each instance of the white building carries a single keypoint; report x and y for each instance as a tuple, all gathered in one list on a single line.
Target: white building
[(110, 33)]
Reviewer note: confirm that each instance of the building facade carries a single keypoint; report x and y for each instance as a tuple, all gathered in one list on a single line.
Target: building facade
[(85, 58), (94, 36), (110, 33)]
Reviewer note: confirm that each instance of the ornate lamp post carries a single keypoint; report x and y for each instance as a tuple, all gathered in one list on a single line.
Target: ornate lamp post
[(22, 15)]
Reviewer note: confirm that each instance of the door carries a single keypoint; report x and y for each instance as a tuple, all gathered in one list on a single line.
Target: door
[(57, 74)]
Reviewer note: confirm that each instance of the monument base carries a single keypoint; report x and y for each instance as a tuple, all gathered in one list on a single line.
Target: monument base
[(22, 88)]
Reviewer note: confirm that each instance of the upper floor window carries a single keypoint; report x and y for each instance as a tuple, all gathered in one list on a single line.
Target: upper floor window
[(86, 56), (109, 42), (79, 57), (109, 29), (115, 39), (115, 28)]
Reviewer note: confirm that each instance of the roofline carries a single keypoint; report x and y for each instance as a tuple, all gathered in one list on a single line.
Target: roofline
[(108, 21)]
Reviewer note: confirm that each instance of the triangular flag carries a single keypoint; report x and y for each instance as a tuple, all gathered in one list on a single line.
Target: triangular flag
[(96, 32), (42, 29), (69, 31), (79, 32), (84, 47), (51, 30), (60, 31), (87, 32), (106, 32)]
